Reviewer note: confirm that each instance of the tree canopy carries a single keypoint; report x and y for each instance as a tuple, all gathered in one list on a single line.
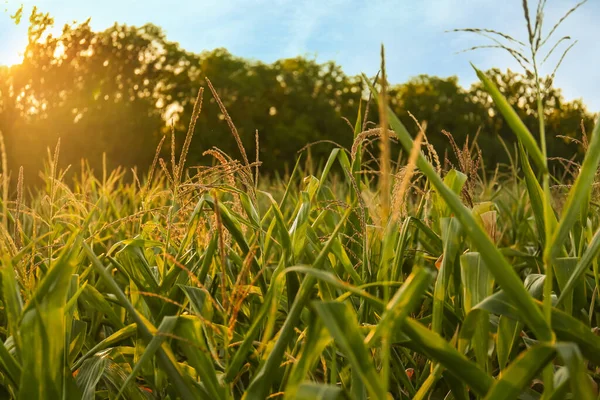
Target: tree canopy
[(118, 91)]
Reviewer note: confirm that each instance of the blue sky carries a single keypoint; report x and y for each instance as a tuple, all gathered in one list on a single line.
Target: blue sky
[(346, 31)]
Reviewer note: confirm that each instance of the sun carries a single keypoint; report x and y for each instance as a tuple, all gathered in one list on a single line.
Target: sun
[(11, 55)]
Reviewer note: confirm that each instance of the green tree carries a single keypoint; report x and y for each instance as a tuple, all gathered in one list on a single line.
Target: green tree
[(120, 90), (290, 103), (97, 91), (445, 105)]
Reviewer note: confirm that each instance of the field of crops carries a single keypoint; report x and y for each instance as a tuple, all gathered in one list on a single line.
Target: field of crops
[(209, 283), (357, 278)]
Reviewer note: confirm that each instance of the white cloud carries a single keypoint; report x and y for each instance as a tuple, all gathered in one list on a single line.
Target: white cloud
[(304, 19)]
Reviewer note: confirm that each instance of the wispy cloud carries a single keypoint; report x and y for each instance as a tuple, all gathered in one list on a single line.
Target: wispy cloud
[(305, 20)]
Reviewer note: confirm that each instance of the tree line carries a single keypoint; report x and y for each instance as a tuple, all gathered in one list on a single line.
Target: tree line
[(120, 90)]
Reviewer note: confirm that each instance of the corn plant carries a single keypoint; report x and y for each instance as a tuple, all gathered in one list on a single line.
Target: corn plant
[(204, 283)]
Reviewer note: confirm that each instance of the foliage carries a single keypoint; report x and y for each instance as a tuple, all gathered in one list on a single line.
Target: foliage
[(220, 283), (209, 288), (119, 91)]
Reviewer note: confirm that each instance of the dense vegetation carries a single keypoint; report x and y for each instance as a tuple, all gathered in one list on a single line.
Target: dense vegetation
[(364, 278), (120, 90)]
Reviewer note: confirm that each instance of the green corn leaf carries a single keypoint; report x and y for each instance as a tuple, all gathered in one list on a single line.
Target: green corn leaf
[(534, 283), (193, 222), (429, 383), (477, 281), (120, 335), (298, 229), (566, 328), (513, 120), (458, 389), (342, 257), (506, 338), (561, 384), (342, 324), (92, 300), (198, 298), (451, 237), (10, 366), (477, 284), (135, 264), (261, 382), (266, 310), (564, 268), (431, 235), (475, 331), (404, 301), (279, 221), (332, 280), (536, 194), (77, 339), (436, 348), (455, 181), (90, 374), (167, 360), (590, 254), (578, 195), (165, 328), (319, 391), (521, 371), (194, 346), (102, 368), (317, 338), (13, 302), (249, 209), (330, 161), (581, 385), (400, 251), (43, 329), (494, 260)]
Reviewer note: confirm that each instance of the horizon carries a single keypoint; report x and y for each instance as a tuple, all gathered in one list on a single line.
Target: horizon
[(326, 32)]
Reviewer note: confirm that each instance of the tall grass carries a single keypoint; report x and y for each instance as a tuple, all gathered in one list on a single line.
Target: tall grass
[(206, 283)]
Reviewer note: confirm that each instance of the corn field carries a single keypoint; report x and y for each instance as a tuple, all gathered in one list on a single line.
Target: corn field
[(367, 279)]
